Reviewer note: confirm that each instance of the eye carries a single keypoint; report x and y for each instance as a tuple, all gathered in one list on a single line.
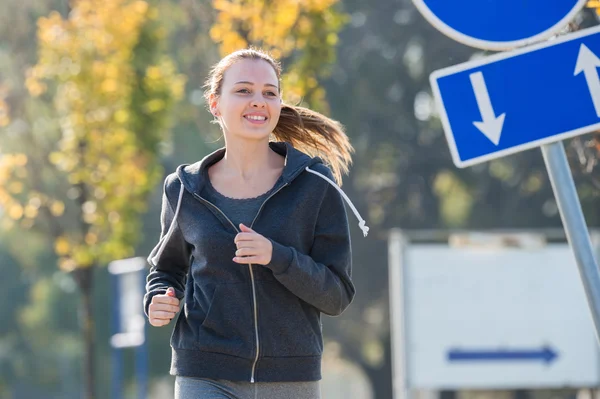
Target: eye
[(244, 91), (271, 94)]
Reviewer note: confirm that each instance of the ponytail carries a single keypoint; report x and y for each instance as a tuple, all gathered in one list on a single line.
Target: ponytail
[(316, 135)]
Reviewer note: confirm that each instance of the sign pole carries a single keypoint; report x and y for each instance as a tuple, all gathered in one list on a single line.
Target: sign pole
[(117, 353), (141, 356), (574, 224)]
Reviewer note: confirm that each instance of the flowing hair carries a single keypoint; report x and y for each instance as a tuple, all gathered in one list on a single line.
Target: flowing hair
[(306, 130)]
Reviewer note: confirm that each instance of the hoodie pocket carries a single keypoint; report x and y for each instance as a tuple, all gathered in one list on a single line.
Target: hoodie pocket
[(228, 326), (288, 326)]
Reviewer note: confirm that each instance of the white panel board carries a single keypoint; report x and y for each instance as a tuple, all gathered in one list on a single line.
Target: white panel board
[(477, 318)]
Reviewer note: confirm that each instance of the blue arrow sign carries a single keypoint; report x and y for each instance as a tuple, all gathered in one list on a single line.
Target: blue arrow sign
[(518, 100), (498, 24), (545, 354)]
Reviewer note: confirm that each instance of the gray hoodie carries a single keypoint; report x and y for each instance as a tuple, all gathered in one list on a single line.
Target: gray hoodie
[(254, 322)]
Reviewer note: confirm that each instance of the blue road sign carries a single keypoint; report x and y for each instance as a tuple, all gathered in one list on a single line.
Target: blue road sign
[(518, 100), (498, 24), (545, 354)]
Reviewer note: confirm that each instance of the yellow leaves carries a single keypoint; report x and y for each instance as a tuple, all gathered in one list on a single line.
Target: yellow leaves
[(51, 29), (109, 86), (30, 212), (332, 39), (294, 29), (153, 73), (91, 238), (162, 79), (15, 187), (110, 96), (57, 208), (15, 211), (73, 255), (154, 105), (121, 116), (12, 166), (18, 159), (141, 7), (62, 246), (35, 87), (67, 265)]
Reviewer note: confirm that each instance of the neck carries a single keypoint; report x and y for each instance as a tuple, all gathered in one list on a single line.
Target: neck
[(247, 159)]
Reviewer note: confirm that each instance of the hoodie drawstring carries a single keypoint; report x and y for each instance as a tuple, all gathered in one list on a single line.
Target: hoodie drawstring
[(165, 239), (163, 243), (361, 222)]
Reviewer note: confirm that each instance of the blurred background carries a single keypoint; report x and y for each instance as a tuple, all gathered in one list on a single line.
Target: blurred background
[(100, 99)]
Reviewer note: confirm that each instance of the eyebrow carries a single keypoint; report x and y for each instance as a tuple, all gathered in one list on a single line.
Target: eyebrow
[(250, 83)]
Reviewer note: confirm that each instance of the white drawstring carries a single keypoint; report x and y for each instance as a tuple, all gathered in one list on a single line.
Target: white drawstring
[(163, 243), (156, 257), (361, 223)]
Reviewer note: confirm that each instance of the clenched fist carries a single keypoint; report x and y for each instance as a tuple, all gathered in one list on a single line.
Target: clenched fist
[(163, 308), (252, 247)]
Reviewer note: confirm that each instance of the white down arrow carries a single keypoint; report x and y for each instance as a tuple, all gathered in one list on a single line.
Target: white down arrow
[(490, 126)]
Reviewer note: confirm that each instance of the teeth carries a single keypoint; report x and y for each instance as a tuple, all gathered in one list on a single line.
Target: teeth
[(256, 117)]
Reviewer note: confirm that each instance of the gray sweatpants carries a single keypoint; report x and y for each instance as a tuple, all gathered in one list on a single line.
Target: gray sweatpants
[(204, 388)]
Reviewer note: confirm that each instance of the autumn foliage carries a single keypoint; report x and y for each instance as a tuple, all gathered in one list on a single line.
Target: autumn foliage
[(111, 93), (301, 33)]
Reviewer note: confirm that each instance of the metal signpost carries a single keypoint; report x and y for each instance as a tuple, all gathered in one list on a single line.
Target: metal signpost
[(128, 322), (521, 99)]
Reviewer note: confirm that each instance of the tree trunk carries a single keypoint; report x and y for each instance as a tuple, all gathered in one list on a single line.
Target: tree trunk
[(84, 277)]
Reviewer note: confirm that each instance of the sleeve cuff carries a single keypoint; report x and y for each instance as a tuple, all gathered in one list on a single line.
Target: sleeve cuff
[(281, 258)]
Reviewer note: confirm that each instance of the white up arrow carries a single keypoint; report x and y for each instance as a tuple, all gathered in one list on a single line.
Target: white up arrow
[(491, 125), (588, 62)]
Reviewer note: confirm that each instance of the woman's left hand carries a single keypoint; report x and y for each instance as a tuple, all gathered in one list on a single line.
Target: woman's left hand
[(252, 247)]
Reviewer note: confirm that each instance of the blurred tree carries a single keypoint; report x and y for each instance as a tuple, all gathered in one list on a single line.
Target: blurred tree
[(32, 316), (302, 34), (85, 170)]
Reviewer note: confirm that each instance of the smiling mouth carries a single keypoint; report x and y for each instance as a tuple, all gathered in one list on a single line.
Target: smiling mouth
[(256, 118)]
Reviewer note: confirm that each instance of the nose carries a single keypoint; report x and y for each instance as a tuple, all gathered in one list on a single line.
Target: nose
[(258, 102)]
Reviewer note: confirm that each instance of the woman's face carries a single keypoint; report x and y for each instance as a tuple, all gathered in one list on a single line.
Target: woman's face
[(249, 105)]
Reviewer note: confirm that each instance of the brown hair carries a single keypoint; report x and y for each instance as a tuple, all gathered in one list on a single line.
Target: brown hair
[(305, 129)]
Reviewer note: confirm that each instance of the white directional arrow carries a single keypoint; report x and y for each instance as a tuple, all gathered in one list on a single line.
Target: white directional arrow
[(491, 125), (587, 62)]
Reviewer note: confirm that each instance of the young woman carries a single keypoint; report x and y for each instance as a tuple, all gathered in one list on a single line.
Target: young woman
[(254, 242)]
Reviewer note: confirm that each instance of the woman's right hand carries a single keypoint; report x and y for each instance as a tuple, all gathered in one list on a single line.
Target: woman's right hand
[(163, 308)]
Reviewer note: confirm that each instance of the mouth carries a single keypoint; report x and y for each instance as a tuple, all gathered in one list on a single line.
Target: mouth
[(256, 119)]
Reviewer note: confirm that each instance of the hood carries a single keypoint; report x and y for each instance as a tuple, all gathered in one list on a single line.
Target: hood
[(192, 180), (192, 176)]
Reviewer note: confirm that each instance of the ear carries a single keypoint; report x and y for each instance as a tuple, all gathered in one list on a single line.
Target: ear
[(214, 104)]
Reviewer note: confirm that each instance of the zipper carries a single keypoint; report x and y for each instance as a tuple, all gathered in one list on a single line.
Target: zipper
[(255, 303), (217, 208), (254, 290)]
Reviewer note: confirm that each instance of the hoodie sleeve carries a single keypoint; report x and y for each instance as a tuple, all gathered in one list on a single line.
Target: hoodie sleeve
[(322, 278), (170, 259)]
